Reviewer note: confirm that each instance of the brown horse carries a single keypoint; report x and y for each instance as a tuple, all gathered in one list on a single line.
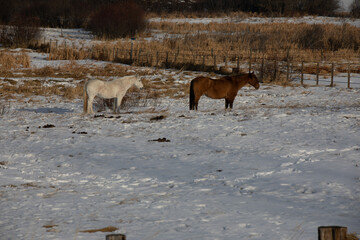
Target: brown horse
[(225, 87)]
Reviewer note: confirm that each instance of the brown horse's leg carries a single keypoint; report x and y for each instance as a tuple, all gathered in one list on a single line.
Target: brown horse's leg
[(196, 101), (229, 103), (192, 96)]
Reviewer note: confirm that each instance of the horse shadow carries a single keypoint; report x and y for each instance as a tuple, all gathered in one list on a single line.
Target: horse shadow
[(48, 110)]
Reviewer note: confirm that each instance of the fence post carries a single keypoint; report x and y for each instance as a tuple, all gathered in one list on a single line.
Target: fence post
[(250, 60), (302, 73), (262, 70), (287, 70), (349, 75), (332, 233), (317, 73), (332, 75), (115, 237), (275, 70)]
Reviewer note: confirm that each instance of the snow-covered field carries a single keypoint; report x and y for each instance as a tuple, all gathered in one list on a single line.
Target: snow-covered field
[(262, 20), (284, 161)]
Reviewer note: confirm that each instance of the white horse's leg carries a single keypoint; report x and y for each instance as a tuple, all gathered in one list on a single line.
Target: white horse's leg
[(116, 105), (118, 101), (90, 104)]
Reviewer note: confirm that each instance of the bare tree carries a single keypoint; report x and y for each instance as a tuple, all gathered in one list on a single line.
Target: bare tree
[(355, 8)]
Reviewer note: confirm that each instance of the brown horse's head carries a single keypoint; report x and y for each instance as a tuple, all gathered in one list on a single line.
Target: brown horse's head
[(253, 80)]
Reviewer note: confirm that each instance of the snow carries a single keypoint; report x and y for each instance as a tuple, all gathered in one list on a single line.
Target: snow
[(263, 20), (284, 161)]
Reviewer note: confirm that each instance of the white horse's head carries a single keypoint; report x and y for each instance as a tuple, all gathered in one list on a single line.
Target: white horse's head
[(138, 83)]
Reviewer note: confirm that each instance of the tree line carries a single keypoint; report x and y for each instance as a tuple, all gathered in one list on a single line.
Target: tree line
[(120, 18), (76, 13)]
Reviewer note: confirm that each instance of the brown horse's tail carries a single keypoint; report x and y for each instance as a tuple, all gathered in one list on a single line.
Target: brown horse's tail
[(192, 96), (85, 99)]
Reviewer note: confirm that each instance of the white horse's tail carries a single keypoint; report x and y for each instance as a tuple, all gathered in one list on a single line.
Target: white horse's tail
[(85, 99)]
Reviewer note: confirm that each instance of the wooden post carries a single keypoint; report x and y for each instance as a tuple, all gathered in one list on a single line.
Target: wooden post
[(250, 60), (275, 70), (349, 75), (332, 233), (287, 71), (115, 237), (332, 75), (302, 73), (262, 70), (317, 74)]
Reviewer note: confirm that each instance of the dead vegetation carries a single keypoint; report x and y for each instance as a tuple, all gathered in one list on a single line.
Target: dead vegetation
[(67, 81), (105, 229), (187, 46), (194, 45), (13, 60)]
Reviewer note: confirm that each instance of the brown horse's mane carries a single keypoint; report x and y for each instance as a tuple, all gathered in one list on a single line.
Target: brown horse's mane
[(236, 77)]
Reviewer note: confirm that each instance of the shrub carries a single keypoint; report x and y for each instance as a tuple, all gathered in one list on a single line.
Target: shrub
[(355, 8), (118, 20), (20, 34), (311, 37)]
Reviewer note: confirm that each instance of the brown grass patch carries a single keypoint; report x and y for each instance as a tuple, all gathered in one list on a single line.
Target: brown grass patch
[(352, 236), (36, 88), (199, 43), (9, 60), (50, 226), (106, 229)]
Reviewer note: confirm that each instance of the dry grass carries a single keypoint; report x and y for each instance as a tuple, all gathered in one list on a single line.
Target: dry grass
[(197, 44), (36, 88), (106, 229), (207, 47), (10, 61), (352, 236)]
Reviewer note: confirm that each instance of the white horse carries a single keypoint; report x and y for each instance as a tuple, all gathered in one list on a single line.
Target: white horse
[(111, 89)]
